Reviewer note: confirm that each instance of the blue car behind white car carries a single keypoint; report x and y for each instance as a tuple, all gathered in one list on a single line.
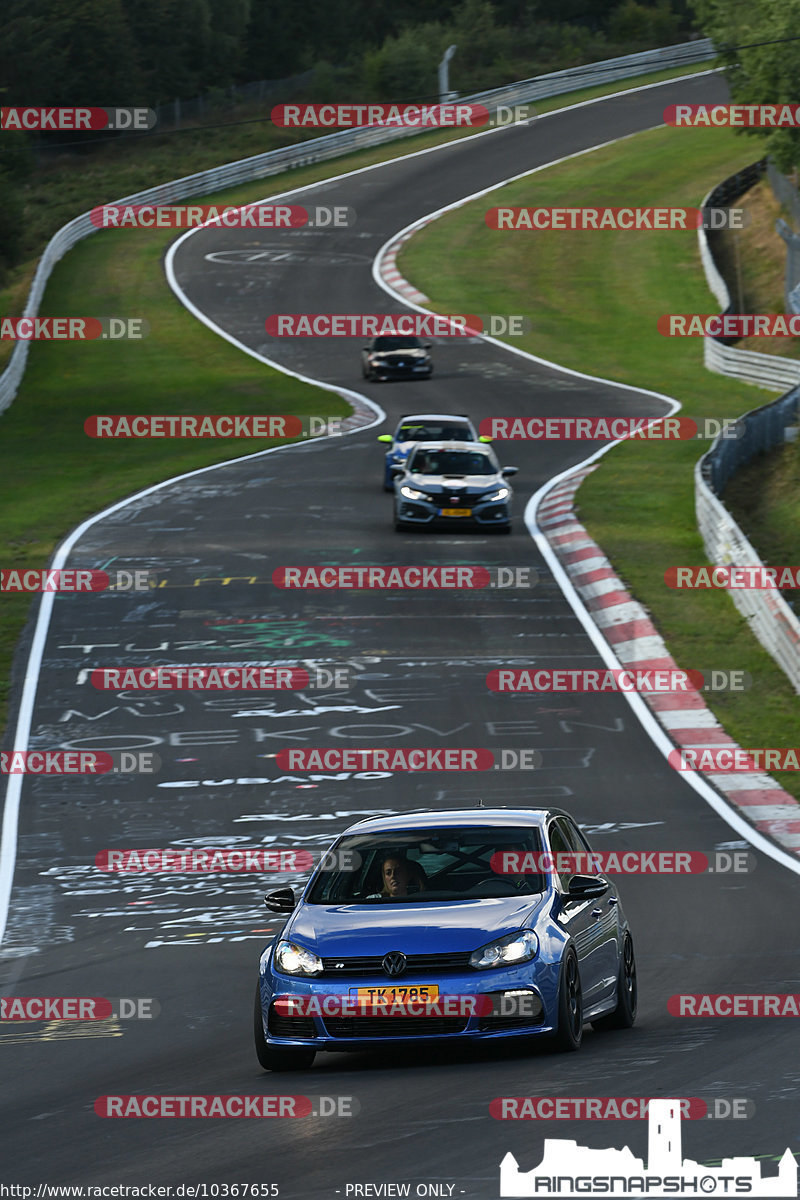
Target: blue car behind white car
[(423, 427), (545, 950)]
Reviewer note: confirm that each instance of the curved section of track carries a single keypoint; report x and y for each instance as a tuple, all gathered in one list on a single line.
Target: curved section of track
[(420, 662)]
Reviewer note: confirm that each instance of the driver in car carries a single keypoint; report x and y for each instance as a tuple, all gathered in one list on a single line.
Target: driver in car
[(400, 877)]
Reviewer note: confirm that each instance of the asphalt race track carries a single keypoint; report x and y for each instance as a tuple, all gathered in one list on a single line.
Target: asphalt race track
[(419, 662)]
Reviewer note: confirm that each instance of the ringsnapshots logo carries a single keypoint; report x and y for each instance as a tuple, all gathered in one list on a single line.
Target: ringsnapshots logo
[(568, 1170)]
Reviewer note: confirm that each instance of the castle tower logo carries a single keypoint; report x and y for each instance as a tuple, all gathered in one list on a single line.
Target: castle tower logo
[(570, 1170)]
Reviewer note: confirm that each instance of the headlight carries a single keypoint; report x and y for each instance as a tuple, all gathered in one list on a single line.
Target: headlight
[(507, 951), (501, 494), (294, 960), (412, 494)]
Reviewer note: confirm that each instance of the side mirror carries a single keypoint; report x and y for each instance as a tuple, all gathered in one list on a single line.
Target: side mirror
[(585, 887), (508, 471), (282, 901), (385, 437), (366, 348), (397, 470), (427, 345)]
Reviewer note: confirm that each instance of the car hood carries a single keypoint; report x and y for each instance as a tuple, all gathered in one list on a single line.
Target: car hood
[(425, 928), (414, 352)]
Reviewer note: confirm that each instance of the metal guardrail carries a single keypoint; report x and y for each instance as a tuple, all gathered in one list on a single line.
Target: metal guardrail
[(770, 371), (762, 429), (333, 145)]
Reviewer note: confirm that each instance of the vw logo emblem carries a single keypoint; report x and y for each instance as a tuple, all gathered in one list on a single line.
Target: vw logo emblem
[(394, 963)]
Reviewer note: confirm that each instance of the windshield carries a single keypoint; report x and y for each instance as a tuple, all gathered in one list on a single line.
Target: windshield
[(451, 462), (427, 865), (397, 343), (434, 433)]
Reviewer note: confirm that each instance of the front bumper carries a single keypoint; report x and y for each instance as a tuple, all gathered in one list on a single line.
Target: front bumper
[(495, 513), (338, 1033), (388, 370)]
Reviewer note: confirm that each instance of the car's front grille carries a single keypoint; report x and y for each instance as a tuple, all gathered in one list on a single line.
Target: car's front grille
[(290, 1027), (372, 964), (391, 1027)]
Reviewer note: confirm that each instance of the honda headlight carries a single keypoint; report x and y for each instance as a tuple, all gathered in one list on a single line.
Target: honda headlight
[(501, 494), (295, 960), (412, 494), (507, 951)]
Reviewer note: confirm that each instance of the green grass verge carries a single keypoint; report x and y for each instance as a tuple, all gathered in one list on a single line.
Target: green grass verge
[(51, 475), (593, 300), (66, 185)]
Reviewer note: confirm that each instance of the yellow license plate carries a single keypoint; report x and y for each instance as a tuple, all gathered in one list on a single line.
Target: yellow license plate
[(456, 512), (397, 992)]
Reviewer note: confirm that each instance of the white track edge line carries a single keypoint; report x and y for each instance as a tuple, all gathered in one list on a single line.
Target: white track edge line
[(8, 836)]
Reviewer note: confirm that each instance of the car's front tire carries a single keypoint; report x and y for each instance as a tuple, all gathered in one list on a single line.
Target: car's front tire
[(569, 1034), (624, 1014), (277, 1058)]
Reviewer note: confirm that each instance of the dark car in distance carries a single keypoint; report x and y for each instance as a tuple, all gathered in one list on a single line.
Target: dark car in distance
[(396, 357)]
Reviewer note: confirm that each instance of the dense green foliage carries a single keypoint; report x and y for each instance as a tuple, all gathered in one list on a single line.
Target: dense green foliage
[(765, 66), (147, 52)]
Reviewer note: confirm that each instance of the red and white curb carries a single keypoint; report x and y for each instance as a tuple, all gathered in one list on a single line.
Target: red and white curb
[(633, 638), (390, 274)]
